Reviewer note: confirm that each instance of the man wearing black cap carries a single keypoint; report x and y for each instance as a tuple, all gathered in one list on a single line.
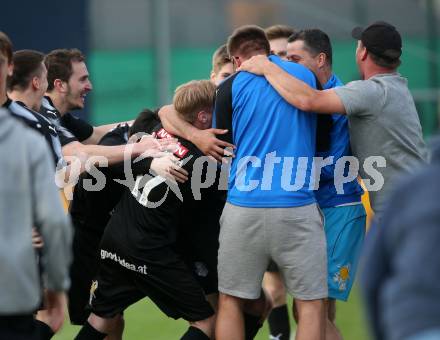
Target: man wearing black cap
[(383, 120)]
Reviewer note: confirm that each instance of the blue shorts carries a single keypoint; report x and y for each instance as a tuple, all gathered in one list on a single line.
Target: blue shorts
[(345, 231)]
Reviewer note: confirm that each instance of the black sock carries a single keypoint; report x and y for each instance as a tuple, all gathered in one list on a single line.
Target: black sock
[(193, 333), (87, 332), (252, 324), (279, 323), (44, 330)]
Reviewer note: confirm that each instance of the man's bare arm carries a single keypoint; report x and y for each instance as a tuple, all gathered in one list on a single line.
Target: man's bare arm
[(205, 140), (115, 154), (293, 90), (175, 124)]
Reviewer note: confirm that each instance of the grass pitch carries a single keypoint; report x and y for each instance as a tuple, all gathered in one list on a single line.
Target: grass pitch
[(144, 321)]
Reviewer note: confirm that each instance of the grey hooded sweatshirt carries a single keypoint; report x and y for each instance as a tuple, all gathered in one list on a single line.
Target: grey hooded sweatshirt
[(29, 197)]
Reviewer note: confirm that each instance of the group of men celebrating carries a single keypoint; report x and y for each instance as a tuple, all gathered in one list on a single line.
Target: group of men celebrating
[(198, 236)]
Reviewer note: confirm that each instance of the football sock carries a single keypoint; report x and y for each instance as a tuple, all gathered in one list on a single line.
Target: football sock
[(193, 333), (87, 332), (44, 330), (252, 324), (279, 323)]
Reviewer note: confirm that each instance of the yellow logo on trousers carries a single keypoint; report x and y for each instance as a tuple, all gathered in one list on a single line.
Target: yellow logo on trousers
[(342, 276), (93, 288)]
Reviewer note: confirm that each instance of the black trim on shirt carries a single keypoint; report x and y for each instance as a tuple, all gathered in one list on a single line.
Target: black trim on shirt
[(223, 108), (324, 125)]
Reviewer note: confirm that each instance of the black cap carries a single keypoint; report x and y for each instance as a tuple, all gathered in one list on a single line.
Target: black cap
[(380, 38)]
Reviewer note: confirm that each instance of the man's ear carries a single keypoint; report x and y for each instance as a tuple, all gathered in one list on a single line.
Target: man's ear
[(212, 76), (59, 85), (237, 61), (202, 117), (10, 69), (322, 59), (35, 83), (364, 53)]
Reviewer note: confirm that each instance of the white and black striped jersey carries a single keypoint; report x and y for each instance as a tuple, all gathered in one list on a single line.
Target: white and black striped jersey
[(69, 127), (52, 114)]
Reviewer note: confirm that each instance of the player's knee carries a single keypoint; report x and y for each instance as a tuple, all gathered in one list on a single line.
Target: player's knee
[(310, 309), (276, 289), (278, 296), (230, 301), (105, 325), (260, 307)]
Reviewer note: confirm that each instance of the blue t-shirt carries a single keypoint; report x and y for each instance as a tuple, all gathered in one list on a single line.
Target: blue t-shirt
[(275, 141), (327, 195)]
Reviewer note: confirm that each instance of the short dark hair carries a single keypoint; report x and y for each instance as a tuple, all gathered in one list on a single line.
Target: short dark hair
[(59, 64), (384, 62), (146, 121), (315, 41), (220, 58), (6, 46), (247, 39), (278, 31), (27, 64)]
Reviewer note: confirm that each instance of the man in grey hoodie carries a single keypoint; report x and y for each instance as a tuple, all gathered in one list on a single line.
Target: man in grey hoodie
[(400, 276), (28, 197)]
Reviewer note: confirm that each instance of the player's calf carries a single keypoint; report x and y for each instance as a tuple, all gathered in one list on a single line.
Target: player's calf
[(311, 319), (230, 322)]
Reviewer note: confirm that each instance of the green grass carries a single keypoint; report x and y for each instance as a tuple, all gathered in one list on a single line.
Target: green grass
[(350, 318), (144, 321)]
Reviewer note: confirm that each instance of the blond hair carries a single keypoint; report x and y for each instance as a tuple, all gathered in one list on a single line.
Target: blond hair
[(220, 58), (192, 97), (279, 31)]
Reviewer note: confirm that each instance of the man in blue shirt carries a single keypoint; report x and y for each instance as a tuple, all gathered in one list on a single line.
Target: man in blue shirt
[(271, 211), (384, 125), (344, 213)]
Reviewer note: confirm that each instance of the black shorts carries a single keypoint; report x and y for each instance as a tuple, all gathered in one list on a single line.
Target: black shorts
[(83, 270), (161, 275), (198, 245)]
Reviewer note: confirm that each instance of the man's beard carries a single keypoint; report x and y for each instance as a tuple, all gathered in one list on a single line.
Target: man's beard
[(72, 104)]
